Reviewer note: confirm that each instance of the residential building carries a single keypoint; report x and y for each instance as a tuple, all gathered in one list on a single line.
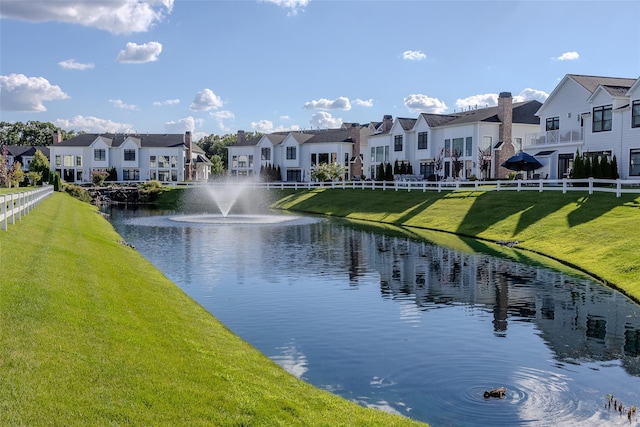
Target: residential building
[(134, 157), (23, 154), (592, 115), (296, 153), (462, 145)]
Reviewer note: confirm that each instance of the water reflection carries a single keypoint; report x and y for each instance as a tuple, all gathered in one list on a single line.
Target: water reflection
[(407, 326)]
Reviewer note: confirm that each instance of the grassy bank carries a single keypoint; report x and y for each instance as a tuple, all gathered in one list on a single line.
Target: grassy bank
[(92, 334), (598, 234)]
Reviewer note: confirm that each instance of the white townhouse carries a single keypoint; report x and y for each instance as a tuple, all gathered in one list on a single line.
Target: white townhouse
[(135, 157), (296, 153), (459, 145), (592, 115)]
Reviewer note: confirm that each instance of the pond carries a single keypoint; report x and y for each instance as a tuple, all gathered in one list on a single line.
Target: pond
[(403, 325)]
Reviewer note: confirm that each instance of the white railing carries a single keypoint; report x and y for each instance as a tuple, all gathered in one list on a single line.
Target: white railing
[(591, 185), (553, 137), (14, 205)]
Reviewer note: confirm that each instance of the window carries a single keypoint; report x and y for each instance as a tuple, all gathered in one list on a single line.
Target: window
[(468, 145), (397, 143), (100, 155), (422, 140), (487, 141), (152, 162), (129, 155), (58, 160), (68, 161), (634, 162), (602, 118), (553, 123), (458, 145), (250, 160), (635, 114), (242, 161), (163, 161), (234, 161), (291, 153), (517, 144), (323, 158), (79, 161), (174, 162), (447, 147), (79, 175), (265, 153), (131, 174)]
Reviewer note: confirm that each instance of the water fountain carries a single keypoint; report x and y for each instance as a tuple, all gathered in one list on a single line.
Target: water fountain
[(238, 202)]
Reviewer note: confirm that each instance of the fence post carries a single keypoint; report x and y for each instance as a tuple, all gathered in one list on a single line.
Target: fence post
[(590, 185), (618, 187), (564, 185), (3, 212)]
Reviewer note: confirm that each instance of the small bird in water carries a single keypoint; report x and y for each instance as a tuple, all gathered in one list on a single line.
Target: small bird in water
[(499, 392)]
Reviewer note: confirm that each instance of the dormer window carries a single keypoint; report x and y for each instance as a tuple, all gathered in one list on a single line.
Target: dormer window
[(602, 118)]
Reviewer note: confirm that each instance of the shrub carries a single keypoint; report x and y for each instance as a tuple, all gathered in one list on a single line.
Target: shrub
[(150, 190), (78, 192)]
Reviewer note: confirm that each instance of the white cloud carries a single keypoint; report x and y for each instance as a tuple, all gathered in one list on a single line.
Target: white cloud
[(166, 102), (21, 93), (324, 120), (220, 117), (568, 56), (294, 6), (285, 117), (480, 101), (93, 125), (424, 104), (264, 126), (205, 100), (529, 94), (72, 64), (413, 55), (119, 104), (341, 103), (363, 102), (115, 16), (135, 53), (183, 125)]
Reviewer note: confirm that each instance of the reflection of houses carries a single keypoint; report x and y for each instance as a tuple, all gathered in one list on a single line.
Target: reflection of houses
[(134, 157), (593, 115), (576, 318)]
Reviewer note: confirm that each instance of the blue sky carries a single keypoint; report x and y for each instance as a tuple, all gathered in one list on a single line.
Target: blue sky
[(214, 67)]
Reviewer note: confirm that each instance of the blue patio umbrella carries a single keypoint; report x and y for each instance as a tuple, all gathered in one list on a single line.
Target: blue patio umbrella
[(522, 162)]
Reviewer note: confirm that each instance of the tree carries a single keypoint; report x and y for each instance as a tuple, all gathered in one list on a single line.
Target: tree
[(380, 174), (396, 167), (33, 177), (217, 167), (614, 168), (16, 175), (578, 167), (40, 164), (98, 177), (388, 172), (4, 166), (30, 133), (456, 163)]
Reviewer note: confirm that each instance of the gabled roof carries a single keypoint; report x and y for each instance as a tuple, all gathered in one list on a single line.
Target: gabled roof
[(407, 124), (115, 140), (26, 150), (523, 113), (591, 83)]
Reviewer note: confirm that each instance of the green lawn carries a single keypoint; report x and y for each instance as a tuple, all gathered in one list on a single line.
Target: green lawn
[(598, 233), (92, 334)]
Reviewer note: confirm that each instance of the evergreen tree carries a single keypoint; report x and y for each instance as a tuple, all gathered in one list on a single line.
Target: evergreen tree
[(595, 167), (396, 167), (588, 172), (403, 168), (388, 175), (614, 168), (380, 175), (410, 169), (605, 167), (40, 164), (578, 167)]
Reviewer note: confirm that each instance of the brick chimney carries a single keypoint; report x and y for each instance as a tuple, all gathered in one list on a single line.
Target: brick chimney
[(241, 137), (506, 149), (387, 122), (57, 137), (356, 166)]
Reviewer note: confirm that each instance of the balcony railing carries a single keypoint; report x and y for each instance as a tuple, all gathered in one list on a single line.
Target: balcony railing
[(551, 137)]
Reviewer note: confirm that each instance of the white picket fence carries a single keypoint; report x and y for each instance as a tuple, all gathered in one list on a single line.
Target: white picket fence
[(590, 185), (14, 206)]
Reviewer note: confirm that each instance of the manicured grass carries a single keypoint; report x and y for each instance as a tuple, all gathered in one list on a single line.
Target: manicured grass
[(92, 334), (598, 233)]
